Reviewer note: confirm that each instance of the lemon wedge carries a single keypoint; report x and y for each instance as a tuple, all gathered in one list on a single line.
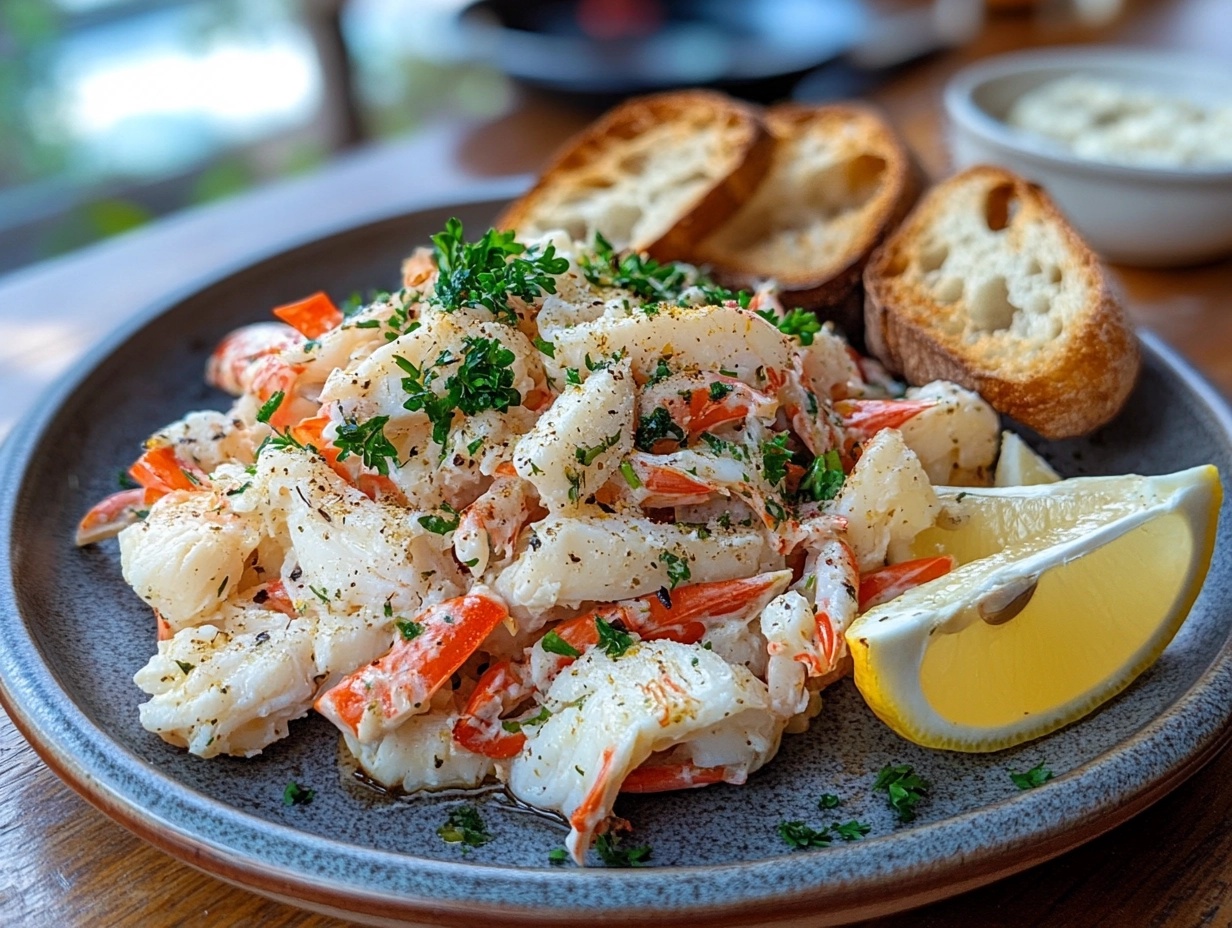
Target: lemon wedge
[(1064, 593), (1019, 466)]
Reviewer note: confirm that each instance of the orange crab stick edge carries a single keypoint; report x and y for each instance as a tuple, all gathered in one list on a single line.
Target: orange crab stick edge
[(376, 698), (886, 583), (159, 469), (312, 316)]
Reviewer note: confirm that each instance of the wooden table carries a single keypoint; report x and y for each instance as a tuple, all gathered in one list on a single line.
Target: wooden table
[(63, 863)]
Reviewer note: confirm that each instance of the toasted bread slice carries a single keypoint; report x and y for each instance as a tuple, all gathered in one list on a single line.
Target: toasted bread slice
[(655, 174), (986, 284), (840, 181)]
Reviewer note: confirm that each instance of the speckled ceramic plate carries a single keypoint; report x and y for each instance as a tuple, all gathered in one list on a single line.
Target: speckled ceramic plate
[(72, 635)]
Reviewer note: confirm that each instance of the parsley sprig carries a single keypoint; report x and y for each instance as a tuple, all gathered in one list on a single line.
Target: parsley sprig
[(800, 323), (775, 456), (801, 836), (1035, 777), (491, 271), (656, 427), (465, 826), (367, 441), (649, 279), (441, 525), (483, 380), (677, 567), (612, 854), (824, 477), (554, 644), (613, 639), (296, 795), (904, 789)]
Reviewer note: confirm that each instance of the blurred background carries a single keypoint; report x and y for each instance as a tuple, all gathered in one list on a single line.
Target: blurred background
[(114, 112)]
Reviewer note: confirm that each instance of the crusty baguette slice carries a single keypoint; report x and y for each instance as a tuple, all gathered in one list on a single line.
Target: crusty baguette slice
[(986, 284), (655, 174), (840, 181)]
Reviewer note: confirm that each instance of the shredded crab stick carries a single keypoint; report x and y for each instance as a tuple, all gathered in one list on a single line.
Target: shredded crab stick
[(697, 402), (663, 778), (679, 615), (682, 614), (646, 481), (230, 366), (108, 517), (610, 714), (158, 471), (862, 419), (273, 596), (480, 729), (376, 698), (312, 316), (887, 583)]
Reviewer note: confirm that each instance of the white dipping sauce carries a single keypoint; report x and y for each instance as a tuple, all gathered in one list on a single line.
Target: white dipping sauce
[(1119, 123)]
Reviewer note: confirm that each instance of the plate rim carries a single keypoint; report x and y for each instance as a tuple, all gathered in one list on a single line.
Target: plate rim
[(1150, 763)]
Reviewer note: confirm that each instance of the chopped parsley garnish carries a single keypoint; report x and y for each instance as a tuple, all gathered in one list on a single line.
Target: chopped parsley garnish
[(714, 294), (270, 406), (440, 525), (656, 427), (573, 376), (465, 826), (281, 441), (400, 321), (615, 641), (824, 477), (554, 644), (545, 346), (320, 594), (296, 795), (538, 718), (775, 456), (185, 667), (491, 271), (420, 398), (677, 568), (125, 481), (775, 511), (661, 372), (474, 446), (408, 630), (236, 491), (612, 854), (718, 390), (586, 456), (1036, 776), (367, 441), (356, 301), (800, 835), (828, 801), (904, 789), (643, 276), (851, 831), (557, 856), (723, 446), (631, 477), (801, 323), (575, 485), (483, 380)]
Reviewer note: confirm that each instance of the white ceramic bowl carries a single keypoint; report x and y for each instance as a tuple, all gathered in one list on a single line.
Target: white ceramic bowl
[(1131, 215)]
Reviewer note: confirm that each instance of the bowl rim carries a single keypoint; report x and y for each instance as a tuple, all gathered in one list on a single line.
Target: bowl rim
[(966, 114)]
